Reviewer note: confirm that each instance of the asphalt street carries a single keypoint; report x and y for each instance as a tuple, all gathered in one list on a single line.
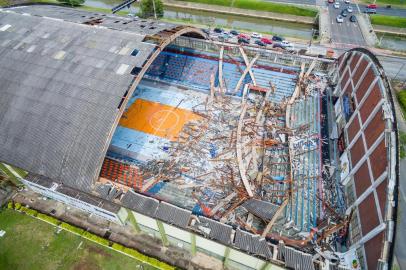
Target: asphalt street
[(386, 11), (346, 32)]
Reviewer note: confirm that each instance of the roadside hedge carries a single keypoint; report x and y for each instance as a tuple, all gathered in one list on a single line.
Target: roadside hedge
[(71, 228), (96, 238), (49, 219)]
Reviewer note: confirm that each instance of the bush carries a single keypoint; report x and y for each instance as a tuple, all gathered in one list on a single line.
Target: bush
[(117, 247), (49, 219), (96, 238), (10, 205), (71, 228), (17, 206), (29, 211), (72, 3), (147, 8)]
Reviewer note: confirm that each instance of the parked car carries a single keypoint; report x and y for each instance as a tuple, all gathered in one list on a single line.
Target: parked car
[(245, 36), (243, 41), (344, 13), (256, 35), (337, 5), (218, 30), (370, 11), (234, 32), (260, 43), (286, 43), (353, 18), (278, 45), (349, 9), (266, 40), (330, 1), (347, 1), (340, 19), (206, 31), (373, 6), (276, 38)]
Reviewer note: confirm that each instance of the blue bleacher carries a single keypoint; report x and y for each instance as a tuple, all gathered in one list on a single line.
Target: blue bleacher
[(194, 72)]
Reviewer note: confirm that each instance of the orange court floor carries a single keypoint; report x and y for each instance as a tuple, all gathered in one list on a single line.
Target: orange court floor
[(157, 119)]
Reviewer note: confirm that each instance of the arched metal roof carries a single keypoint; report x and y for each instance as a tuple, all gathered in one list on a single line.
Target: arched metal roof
[(64, 83)]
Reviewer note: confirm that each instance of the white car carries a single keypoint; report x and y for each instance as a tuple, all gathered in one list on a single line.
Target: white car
[(337, 5), (286, 43), (340, 19), (349, 9), (347, 1), (256, 35)]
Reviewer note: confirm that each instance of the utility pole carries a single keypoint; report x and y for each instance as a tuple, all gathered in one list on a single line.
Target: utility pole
[(153, 4)]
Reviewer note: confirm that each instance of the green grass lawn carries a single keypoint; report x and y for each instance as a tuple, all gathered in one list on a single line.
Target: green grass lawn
[(401, 95), (261, 6), (392, 21), (31, 244)]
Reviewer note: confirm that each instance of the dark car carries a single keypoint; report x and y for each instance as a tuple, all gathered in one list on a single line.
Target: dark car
[(206, 31), (243, 40), (353, 18), (234, 32), (218, 30), (276, 38), (260, 43), (278, 45), (344, 13)]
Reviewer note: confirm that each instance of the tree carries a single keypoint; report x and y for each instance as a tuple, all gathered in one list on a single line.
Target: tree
[(72, 3), (147, 8)]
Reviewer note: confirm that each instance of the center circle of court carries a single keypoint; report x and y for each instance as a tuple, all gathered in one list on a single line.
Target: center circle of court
[(164, 120)]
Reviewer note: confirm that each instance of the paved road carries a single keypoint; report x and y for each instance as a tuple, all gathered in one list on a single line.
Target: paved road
[(346, 32), (386, 11)]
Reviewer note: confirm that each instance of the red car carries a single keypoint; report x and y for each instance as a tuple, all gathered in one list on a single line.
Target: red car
[(330, 1), (266, 40), (373, 6), (244, 36)]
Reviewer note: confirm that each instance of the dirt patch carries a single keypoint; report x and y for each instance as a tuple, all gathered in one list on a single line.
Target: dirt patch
[(84, 265), (98, 250)]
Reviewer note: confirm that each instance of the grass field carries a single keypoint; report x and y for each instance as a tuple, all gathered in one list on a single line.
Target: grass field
[(31, 244), (260, 6), (392, 21)]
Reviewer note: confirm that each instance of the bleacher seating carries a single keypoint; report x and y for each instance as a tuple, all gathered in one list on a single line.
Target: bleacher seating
[(194, 72)]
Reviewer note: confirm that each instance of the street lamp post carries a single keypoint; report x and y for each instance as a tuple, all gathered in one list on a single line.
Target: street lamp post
[(153, 4)]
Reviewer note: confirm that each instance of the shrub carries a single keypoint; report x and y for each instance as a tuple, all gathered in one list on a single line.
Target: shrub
[(117, 247), (147, 8), (71, 228), (17, 206), (49, 219), (10, 205), (72, 3), (29, 211), (96, 238)]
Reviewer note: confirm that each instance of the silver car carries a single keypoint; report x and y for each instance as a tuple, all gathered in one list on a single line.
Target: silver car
[(340, 19)]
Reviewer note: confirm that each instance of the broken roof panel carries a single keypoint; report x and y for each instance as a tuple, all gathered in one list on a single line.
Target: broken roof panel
[(218, 231), (140, 203), (173, 215), (261, 209)]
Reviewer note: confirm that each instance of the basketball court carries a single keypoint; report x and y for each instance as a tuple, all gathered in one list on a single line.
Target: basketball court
[(156, 119)]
